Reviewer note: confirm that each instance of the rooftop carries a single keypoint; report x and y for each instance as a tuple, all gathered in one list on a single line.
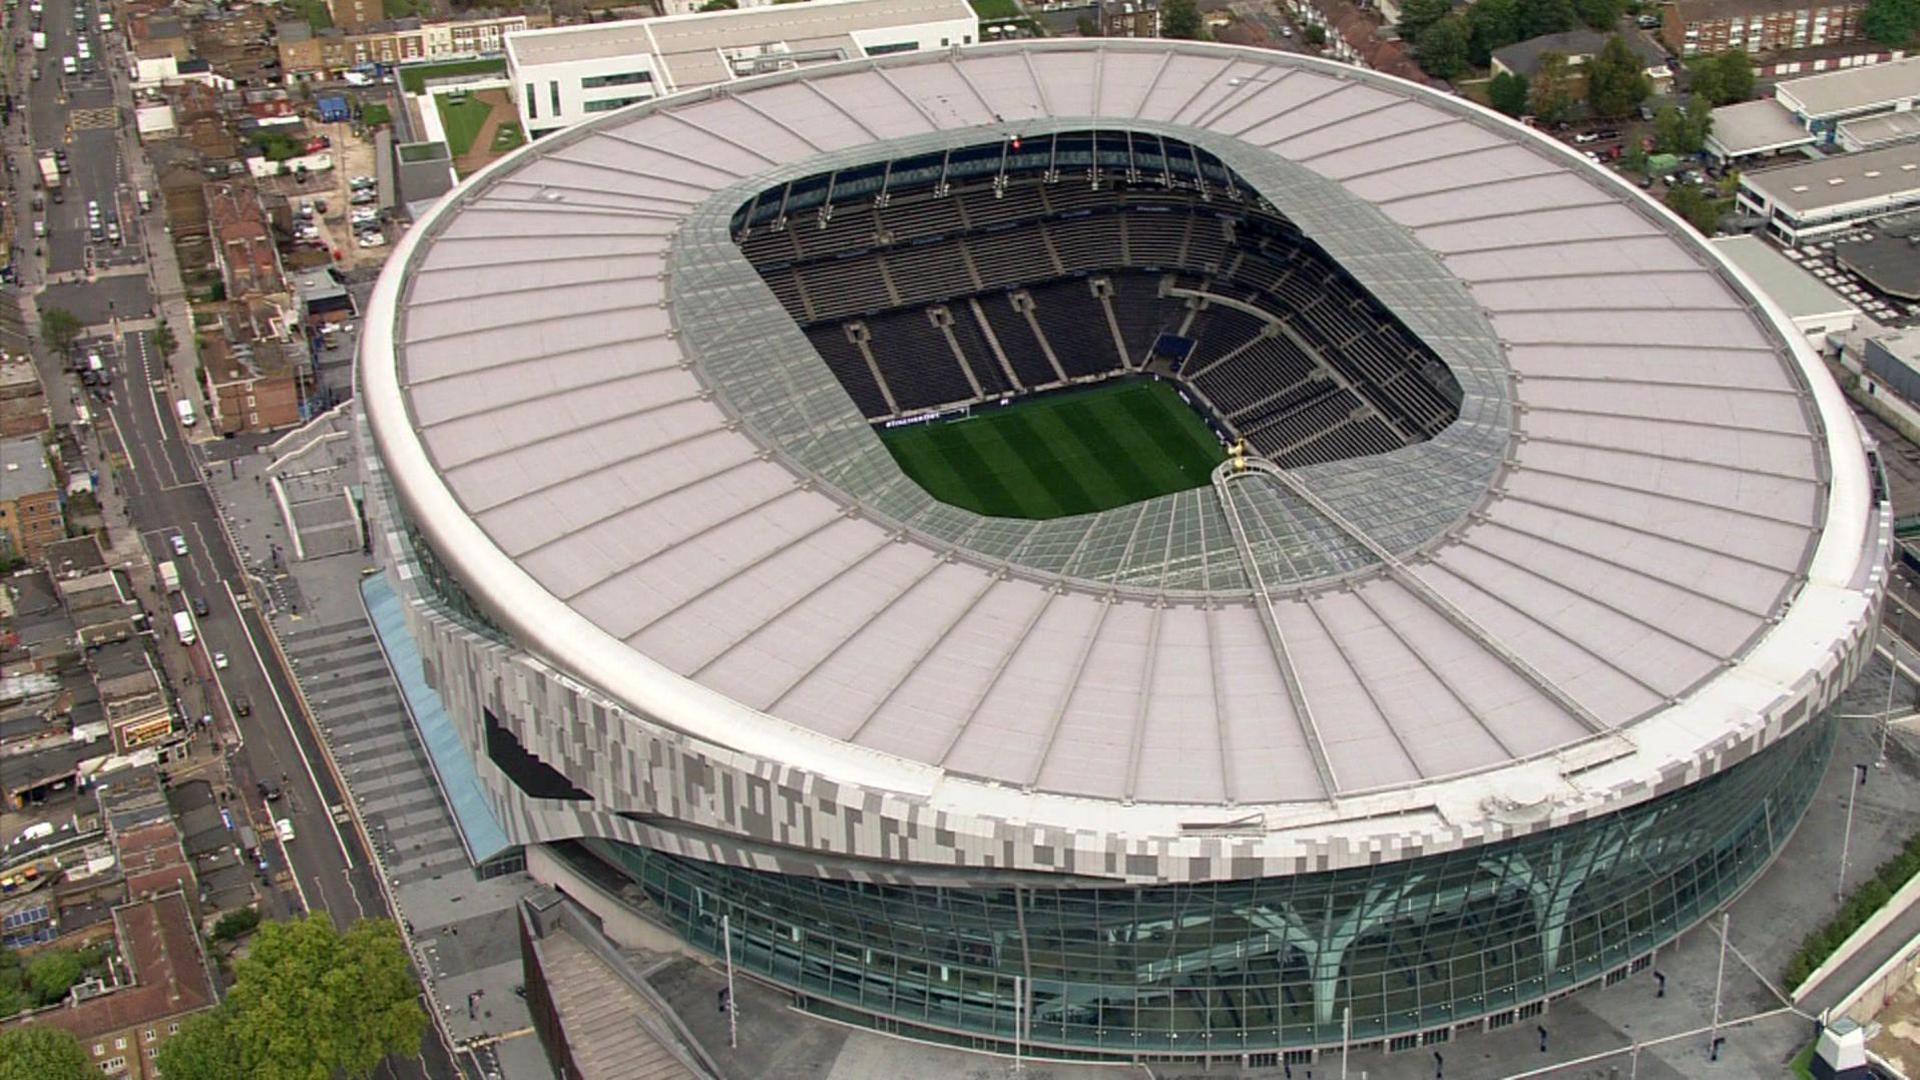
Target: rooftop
[(708, 32), (1753, 127), (1840, 180), (1714, 10), (1836, 93), (1524, 57), (1890, 263), (1869, 132), (1681, 537), (1799, 294), (158, 941), (23, 469)]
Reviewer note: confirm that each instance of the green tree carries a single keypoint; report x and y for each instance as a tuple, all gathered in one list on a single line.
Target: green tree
[(1617, 80), (1495, 25), (1891, 22), (1442, 47), (1551, 96), (60, 327), (42, 1053), (1723, 77), (719, 5), (236, 924), (205, 1049), (1599, 14), (1316, 35), (1508, 93), (1682, 132), (310, 1003), (1181, 19), (1634, 158), (1698, 206), (52, 974), (1417, 15), (164, 339), (1536, 17)]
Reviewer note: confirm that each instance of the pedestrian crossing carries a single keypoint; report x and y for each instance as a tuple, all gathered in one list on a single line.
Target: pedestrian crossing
[(360, 713), (99, 118)]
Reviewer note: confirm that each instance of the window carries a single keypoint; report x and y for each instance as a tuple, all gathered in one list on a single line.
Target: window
[(173, 1028), (526, 770), (896, 47), (613, 103), (113, 1065), (553, 93), (120, 1043), (625, 78), (99, 1049), (149, 1034), (533, 103)]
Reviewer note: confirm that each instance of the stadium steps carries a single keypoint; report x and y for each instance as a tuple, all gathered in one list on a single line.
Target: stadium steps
[(1022, 302), (993, 342), (942, 319)]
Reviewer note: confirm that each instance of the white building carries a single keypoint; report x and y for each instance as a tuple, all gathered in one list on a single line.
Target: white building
[(568, 74), (1818, 198), (1815, 308)]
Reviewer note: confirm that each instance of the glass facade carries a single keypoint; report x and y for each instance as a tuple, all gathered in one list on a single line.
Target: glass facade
[(1256, 965)]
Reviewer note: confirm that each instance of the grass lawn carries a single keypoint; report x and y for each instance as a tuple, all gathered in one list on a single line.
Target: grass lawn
[(463, 117), (315, 12), (414, 78), (1802, 1064), (1070, 453), (375, 114), (996, 9)]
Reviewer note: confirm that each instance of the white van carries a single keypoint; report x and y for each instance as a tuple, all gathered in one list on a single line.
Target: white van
[(183, 628), (185, 409)]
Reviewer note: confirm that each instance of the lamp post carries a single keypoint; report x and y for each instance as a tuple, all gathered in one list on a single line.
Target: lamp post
[(1846, 836)]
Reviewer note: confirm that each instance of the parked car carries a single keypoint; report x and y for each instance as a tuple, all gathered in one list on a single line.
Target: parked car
[(284, 827), (220, 661), (200, 606), (269, 791), (179, 544)]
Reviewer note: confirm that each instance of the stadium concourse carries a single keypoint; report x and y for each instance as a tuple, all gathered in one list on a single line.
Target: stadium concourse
[(1502, 653)]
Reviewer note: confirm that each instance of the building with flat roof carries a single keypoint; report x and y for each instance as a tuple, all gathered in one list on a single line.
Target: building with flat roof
[(1888, 261), (1820, 103), (1813, 306), (562, 76), (30, 507), (1754, 129), (1692, 27), (1405, 719), (1872, 132), (1818, 198)]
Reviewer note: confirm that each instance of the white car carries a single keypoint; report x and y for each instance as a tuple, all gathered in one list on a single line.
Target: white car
[(220, 660), (284, 828), (372, 240), (179, 544)]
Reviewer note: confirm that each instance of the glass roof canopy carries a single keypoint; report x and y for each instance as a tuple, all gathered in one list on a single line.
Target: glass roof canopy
[(764, 372)]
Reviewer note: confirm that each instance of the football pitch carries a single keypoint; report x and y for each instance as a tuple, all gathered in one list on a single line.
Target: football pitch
[(1069, 453)]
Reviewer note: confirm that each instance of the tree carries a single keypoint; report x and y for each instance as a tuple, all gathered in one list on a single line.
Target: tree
[(204, 1049), (1617, 80), (1536, 17), (1316, 35), (42, 1053), (308, 1003), (1599, 14), (1723, 77), (60, 327), (1442, 47), (1086, 27), (1417, 15), (1678, 132), (1180, 19), (236, 924), (52, 974), (1508, 93), (1891, 22), (718, 5), (1552, 92), (1700, 209), (164, 340), (1495, 25)]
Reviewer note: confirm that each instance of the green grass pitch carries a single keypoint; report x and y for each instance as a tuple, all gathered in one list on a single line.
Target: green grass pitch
[(1070, 453)]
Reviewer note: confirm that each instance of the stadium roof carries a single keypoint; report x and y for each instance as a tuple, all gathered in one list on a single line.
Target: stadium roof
[(1645, 542)]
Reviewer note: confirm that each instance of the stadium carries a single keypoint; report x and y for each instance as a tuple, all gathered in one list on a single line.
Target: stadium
[(1117, 548)]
